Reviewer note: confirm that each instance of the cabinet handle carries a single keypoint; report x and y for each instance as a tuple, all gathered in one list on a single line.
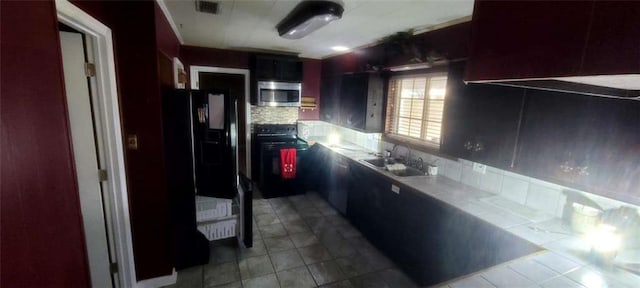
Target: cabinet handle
[(468, 145), (479, 147), (582, 170), (201, 115), (565, 167)]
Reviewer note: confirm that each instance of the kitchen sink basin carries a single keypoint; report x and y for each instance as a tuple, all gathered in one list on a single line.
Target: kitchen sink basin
[(409, 171), (378, 162)]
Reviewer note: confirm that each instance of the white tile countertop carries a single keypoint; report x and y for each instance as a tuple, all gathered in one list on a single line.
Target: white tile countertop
[(563, 263)]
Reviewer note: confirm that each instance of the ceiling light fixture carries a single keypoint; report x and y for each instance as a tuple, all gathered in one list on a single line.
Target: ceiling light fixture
[(340, 48), (307, 17)]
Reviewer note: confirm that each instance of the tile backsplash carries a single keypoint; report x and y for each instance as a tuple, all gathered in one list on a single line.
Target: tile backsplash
[(320, 129), (531, 192), (273, 115)]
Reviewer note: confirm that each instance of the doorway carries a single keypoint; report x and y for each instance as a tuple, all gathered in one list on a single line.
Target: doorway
[(94, 121), (87, 155)]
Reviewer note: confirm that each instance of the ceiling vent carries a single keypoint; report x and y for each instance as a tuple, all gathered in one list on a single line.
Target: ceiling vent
[(207, 7)]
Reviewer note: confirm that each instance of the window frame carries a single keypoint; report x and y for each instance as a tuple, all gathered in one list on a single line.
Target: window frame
[(405, 139)]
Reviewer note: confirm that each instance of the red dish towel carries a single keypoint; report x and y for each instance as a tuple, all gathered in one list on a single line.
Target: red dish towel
[(288, 163)]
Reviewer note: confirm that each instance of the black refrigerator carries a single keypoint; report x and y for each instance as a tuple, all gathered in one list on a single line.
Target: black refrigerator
[(200, 140), (215, 142)]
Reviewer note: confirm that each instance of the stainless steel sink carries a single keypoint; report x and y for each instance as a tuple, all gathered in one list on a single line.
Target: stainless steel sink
[(409, 171)]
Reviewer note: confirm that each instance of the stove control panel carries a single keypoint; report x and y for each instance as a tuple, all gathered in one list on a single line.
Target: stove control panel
[(275, 129)]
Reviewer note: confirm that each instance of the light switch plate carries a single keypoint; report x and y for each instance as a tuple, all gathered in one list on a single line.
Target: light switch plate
[(395, 189), (480, 168)]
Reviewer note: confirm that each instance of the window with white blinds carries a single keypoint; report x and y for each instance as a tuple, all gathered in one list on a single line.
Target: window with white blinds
[(415, 105)]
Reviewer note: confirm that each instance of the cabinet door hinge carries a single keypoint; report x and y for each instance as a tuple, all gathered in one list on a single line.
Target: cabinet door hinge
[(89, 69), (102, 175), (113, 268)]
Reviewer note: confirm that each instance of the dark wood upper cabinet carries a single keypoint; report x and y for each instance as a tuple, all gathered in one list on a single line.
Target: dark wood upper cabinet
[(547, 39), (480, 120), (330, 99), (353, 100), (277, 68), (613, 46), (587, 143), (555, 136), (289, 70), (527, 39), (264, 68), (353, 97), (361, 97), (615, 148)]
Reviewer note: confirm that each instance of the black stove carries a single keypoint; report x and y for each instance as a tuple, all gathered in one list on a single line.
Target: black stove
[(268, 140), (275, 130)]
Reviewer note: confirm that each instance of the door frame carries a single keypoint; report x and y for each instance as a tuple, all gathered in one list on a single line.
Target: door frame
[(194, 70), (109, 126)]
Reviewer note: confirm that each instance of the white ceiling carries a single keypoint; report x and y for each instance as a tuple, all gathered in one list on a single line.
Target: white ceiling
[(250, 24)]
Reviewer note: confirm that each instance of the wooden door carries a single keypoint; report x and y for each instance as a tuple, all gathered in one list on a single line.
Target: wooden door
[(85, 152)]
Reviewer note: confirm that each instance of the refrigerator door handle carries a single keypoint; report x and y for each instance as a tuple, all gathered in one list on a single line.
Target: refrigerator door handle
[(202, 118)]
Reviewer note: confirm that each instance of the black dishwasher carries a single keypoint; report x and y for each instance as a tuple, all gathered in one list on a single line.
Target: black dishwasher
[(338, 183)]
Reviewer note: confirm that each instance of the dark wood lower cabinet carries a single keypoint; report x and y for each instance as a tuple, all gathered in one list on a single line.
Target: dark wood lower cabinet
[(315, 170), (448, 242), (430, 240)]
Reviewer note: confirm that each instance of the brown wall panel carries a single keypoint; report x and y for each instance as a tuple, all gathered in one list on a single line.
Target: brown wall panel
[(167, 41), (191, 55), (42, 235), (311, 86)]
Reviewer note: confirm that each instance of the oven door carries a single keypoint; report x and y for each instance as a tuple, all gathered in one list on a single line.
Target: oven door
[(270, 182)]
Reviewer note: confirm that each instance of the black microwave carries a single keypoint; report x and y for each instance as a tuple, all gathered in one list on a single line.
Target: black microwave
[(272, 93)]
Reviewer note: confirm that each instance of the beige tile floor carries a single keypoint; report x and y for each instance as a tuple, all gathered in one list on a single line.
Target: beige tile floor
[(299, 241)]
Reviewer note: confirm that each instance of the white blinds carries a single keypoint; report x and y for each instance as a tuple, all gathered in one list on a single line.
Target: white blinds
[(415, 107)]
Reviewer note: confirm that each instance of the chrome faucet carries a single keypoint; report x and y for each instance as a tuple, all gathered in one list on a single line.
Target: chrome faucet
[(420, 164)]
